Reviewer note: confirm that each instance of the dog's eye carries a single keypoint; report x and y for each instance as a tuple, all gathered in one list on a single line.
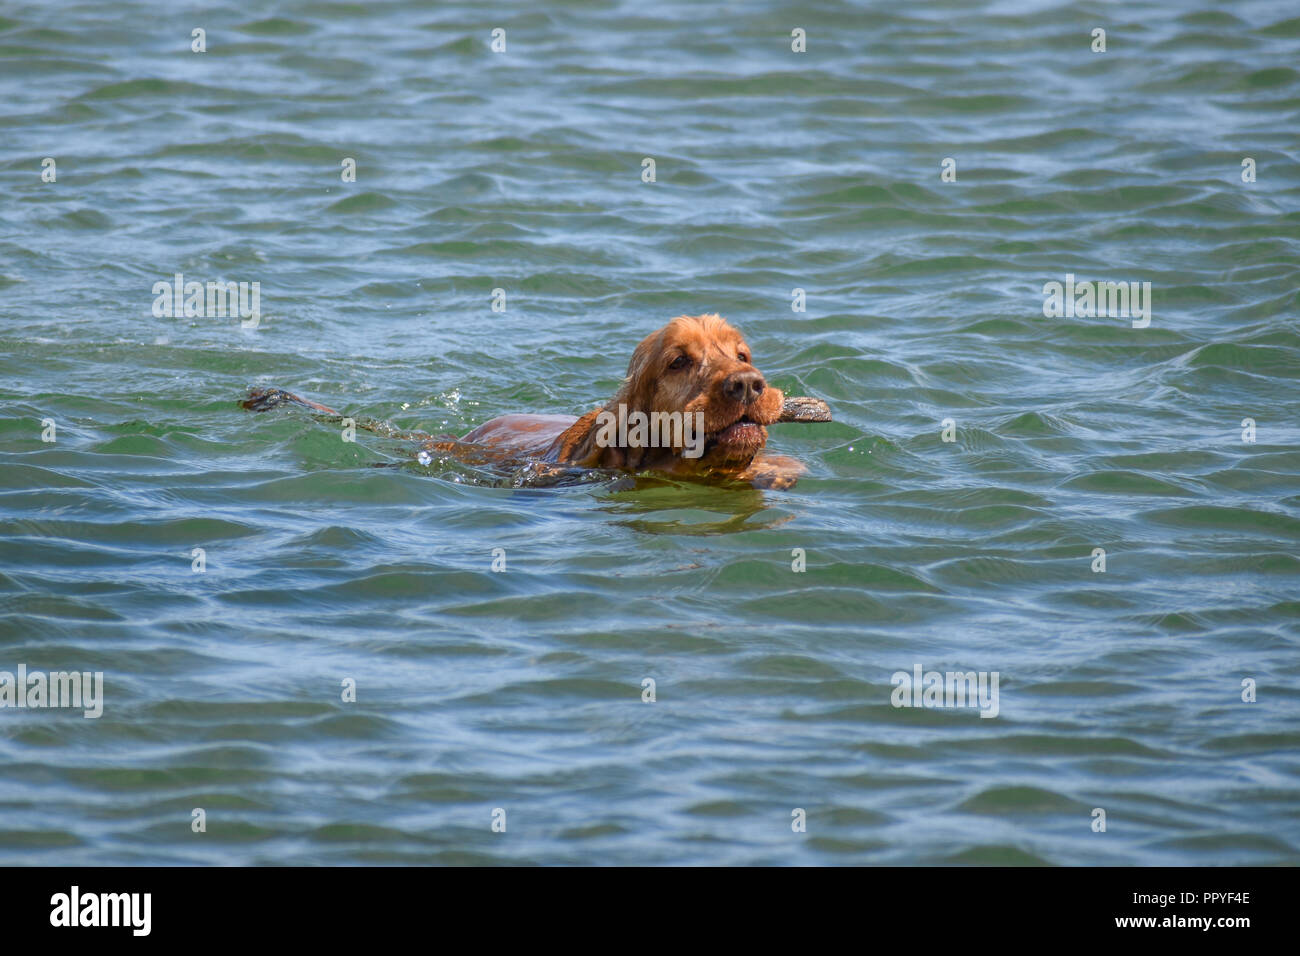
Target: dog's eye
[(743, 356), (680, 362)]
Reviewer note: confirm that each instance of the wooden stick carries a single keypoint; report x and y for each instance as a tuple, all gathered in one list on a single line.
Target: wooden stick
[(803, 409), (795, 409)]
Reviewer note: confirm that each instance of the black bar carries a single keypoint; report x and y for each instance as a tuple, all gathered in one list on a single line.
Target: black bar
[(952, 906)]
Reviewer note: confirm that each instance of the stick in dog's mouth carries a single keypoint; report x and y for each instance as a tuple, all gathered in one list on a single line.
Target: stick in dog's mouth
[(804, 409), (793, 409)]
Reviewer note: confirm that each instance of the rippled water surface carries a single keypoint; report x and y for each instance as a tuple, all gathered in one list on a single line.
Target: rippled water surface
[(522, 690)]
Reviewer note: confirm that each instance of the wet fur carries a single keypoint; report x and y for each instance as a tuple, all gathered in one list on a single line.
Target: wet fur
[(714, 375)]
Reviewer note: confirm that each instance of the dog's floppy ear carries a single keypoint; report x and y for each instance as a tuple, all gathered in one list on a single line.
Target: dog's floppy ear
[(577, 445), (638, 385)]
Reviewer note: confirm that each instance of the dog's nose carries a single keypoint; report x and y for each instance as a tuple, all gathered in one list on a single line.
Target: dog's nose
[(744, 387)]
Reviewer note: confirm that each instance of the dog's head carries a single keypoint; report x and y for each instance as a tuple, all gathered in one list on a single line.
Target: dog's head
[(699, 369)]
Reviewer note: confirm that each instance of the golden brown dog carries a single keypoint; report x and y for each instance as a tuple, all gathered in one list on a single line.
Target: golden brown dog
[(692, 405), (696, 370)]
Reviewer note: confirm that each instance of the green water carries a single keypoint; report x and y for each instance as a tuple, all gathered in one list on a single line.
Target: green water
[(327, 561)]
